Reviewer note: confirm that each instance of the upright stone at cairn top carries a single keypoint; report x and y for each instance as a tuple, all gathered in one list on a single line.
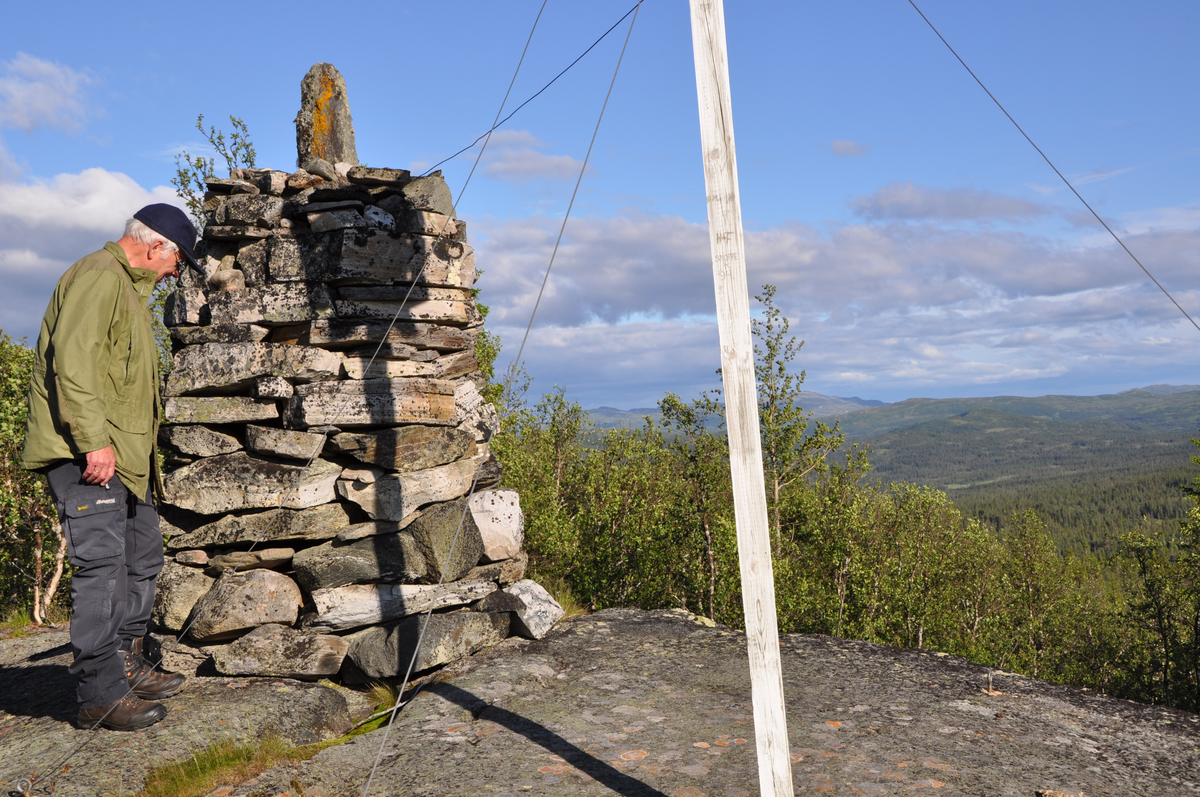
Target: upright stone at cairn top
[(323, 126)]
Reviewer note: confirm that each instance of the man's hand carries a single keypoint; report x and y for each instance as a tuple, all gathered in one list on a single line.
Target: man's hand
[(101, 465)]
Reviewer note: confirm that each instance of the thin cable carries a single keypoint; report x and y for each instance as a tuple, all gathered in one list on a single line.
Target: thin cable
[(1052, 166), (535, 96), (579, 180), (284, 496)]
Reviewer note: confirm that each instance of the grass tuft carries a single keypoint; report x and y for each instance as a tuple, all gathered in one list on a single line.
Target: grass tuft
[(17, 622), (561, 592), (225, 763)]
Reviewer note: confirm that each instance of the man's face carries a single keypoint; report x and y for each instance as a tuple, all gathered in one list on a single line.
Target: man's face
[(164, 263)]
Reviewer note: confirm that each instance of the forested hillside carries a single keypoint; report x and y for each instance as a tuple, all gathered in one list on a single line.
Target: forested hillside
[(1119, 462), (1167, 412)]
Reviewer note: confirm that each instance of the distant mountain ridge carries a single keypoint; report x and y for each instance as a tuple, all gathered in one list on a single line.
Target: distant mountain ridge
[(819, 405)]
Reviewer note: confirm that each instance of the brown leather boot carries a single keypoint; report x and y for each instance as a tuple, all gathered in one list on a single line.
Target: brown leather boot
[(127, 714), (144, 680)]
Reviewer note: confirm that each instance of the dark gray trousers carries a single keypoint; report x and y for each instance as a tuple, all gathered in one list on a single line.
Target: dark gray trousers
[(114, 542)]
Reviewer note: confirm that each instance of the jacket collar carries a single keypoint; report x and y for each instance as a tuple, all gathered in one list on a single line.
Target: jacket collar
[(143, 279)]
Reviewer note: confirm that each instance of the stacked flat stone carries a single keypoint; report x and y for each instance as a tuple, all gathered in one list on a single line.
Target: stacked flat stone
[(313, 496)]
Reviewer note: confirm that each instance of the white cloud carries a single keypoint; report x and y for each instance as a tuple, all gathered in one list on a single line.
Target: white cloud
[(516, 156), (45, 225), (36, 93), (845, 148), (910, 308), (911, 201)]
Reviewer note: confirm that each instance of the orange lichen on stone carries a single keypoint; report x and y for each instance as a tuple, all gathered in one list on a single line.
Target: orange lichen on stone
[(551, 770), (322, 119), (689, 791), (634, 755), (739, 741), (700, 744), (721, 743), (834, 724)]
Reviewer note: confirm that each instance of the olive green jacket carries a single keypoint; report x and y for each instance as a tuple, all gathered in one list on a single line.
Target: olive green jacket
[(95, 372)]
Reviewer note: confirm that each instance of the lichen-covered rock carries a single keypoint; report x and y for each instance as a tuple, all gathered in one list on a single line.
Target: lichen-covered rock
[(186, 306), (318, 523), (192, 558), (394, 496), (335, 220), (240, 481), (365, 175), (265, 558), (373, 402), (541, 611), (385, 652), (272, 387), (227, 280), (429, 193), (271, 304), (406, 448), (252, 260), (283, 442), (505, 572), (179, 588), (324, 128), (343, 332), (376, 257), (198, 441), (232, 366), (278, 651), (386, 558), (501, 523), (254, 211), (239, 602), (218, 409), (449, 540), (366, 604), (436, 312), (223, 333), (302, 257)]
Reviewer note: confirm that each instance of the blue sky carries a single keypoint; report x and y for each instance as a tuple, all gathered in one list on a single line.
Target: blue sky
[(920, 246)]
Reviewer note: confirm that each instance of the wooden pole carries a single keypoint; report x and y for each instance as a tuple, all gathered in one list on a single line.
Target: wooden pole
[(741, 396)]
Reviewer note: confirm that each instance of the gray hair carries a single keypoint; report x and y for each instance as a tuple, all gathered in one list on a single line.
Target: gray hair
[(144, 235)]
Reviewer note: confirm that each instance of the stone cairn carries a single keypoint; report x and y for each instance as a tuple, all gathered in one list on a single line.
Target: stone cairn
[(307, 569)]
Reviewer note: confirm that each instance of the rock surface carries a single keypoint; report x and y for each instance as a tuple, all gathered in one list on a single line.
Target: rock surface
[(239, 602), (650, 703), (268, 558), (276, 650), (283, 442), (37, 706), (218, 409), (241, 481), (448, 539), (198, 441)]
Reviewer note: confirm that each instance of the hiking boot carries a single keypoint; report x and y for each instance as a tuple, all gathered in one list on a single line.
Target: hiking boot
[(127, 714), (144, 680)]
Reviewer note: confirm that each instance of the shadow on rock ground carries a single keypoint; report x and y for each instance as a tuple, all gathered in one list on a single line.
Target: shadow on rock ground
[(635, 703)]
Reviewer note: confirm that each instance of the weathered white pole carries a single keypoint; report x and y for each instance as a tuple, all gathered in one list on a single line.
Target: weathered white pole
[(741, 396)]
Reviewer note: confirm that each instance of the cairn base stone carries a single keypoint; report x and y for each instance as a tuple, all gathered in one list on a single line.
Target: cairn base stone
[(281, 652), (242, 601), (386, 652), (541, 611), (179, 588)]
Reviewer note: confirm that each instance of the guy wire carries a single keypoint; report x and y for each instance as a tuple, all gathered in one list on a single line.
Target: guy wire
[(571, 204), (1062, 177), (535, 96)]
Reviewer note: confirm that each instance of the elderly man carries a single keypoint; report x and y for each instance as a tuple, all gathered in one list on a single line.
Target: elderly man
[(93, 419)]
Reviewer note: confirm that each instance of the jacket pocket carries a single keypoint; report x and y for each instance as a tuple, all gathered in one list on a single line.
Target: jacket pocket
[(95, 522), (131, 416)]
